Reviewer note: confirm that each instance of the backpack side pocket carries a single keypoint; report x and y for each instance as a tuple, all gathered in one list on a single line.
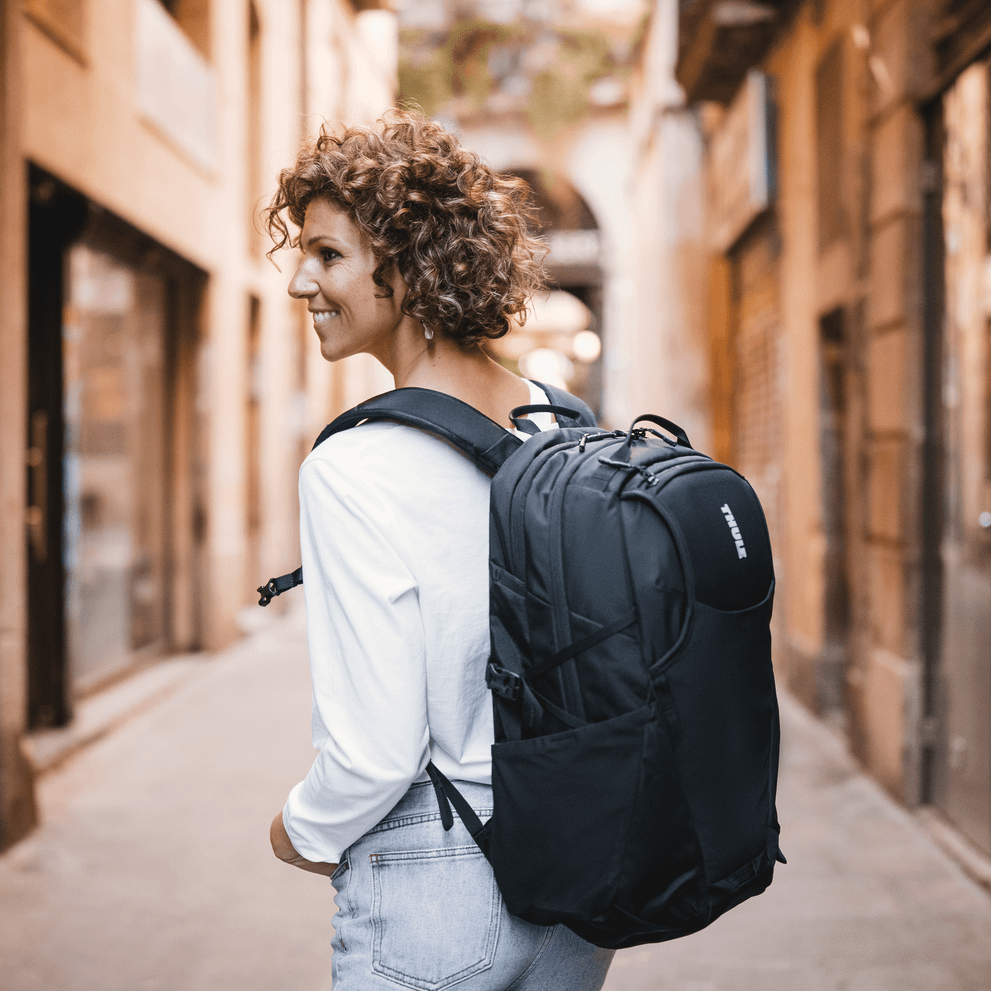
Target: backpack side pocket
[(563, 804)]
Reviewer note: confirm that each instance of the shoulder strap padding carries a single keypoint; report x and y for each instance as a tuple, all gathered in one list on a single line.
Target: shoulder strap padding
[(486, 443)]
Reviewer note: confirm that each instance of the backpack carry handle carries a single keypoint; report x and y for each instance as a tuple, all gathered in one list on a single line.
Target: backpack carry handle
[(528, 426), (681, 437)]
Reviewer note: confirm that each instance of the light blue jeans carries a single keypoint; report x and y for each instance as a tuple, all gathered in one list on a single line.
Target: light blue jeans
[(419, 908)]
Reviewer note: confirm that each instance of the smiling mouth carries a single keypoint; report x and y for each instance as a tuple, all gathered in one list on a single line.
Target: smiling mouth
[(321, 317)]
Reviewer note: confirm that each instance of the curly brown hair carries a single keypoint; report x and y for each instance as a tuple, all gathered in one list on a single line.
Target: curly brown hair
[(458, 233)]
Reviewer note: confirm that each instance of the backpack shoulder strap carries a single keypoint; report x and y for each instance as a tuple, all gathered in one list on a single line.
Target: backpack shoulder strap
[(486, 443), (482, 440)]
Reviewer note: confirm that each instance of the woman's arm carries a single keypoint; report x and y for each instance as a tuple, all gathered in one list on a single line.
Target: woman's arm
[(286, 852), (365, 635)]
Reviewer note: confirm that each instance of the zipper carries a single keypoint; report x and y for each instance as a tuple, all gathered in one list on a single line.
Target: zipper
[(517, 507), (560, 622), (665, 471)]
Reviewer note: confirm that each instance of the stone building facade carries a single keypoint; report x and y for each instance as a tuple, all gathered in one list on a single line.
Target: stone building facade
[(157, 385), (667, 338), (844, 168)]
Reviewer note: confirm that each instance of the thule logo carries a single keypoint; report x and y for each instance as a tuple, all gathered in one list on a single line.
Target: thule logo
[(741, 551)]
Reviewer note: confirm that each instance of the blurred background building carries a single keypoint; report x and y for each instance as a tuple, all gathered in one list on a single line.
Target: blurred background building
[(815, 216), (158, 386)]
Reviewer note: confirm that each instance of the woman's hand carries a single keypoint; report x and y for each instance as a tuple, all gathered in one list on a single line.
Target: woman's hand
[(286, 852)]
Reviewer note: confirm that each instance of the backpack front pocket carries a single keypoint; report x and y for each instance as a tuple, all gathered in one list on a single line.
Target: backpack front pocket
[(562, 809)]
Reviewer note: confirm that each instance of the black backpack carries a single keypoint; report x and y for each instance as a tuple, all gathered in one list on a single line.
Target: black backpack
[(635, 760)]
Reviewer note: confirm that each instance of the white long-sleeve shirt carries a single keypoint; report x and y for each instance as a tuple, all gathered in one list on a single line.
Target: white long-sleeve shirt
[(394, 533)]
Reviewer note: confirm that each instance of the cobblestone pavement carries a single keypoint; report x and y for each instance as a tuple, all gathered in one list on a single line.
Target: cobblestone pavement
[(152, 872)]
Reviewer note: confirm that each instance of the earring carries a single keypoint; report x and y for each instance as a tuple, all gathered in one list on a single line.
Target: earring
[(428, 333)]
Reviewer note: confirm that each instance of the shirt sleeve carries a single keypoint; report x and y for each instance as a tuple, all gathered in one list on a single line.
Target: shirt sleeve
[(367, 662)]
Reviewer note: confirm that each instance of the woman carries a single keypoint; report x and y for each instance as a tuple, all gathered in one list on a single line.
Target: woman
[(415, 252)]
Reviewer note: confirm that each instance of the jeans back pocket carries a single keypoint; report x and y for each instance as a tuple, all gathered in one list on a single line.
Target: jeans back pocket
[(435, 916)]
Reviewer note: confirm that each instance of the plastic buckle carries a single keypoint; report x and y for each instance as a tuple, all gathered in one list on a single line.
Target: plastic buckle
[(504, 683), (267, 592)]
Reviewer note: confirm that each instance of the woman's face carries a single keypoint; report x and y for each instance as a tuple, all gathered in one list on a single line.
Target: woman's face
[(335, 277)]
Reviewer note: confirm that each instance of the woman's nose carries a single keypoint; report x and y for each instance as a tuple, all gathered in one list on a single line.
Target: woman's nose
[(301, 286)]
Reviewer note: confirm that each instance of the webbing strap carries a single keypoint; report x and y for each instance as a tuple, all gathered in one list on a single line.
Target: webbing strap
[(447, 820), (448, 795), (578, 646), (276, 586), (566, 717), (532, 704)]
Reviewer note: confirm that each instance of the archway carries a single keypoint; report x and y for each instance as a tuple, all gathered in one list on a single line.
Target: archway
[(561, 341)]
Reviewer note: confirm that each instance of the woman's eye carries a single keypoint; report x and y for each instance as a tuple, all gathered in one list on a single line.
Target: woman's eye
[(328, 255)]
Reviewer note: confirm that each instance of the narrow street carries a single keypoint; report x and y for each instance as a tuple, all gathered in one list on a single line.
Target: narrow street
[(151, 870)]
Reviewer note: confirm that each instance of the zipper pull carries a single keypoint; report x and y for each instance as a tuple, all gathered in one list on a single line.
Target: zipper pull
[(626, 466)]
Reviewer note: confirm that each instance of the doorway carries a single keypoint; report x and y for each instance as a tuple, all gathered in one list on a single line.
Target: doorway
[(833, 451), (958, 585), (112, 483)]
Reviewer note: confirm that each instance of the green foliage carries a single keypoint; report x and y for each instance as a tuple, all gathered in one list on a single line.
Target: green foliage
[(460, 66), (469, 47), (427, 83), (559, 98)]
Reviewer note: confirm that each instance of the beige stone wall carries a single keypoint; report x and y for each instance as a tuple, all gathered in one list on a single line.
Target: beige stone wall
[(870, 272), (886, 678), (17, 808), (792, 67), (660, 357), (599, 162)]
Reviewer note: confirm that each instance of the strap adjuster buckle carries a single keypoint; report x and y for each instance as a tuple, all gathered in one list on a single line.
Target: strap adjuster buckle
[(267, 592), (276, 586), (504, 683)]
